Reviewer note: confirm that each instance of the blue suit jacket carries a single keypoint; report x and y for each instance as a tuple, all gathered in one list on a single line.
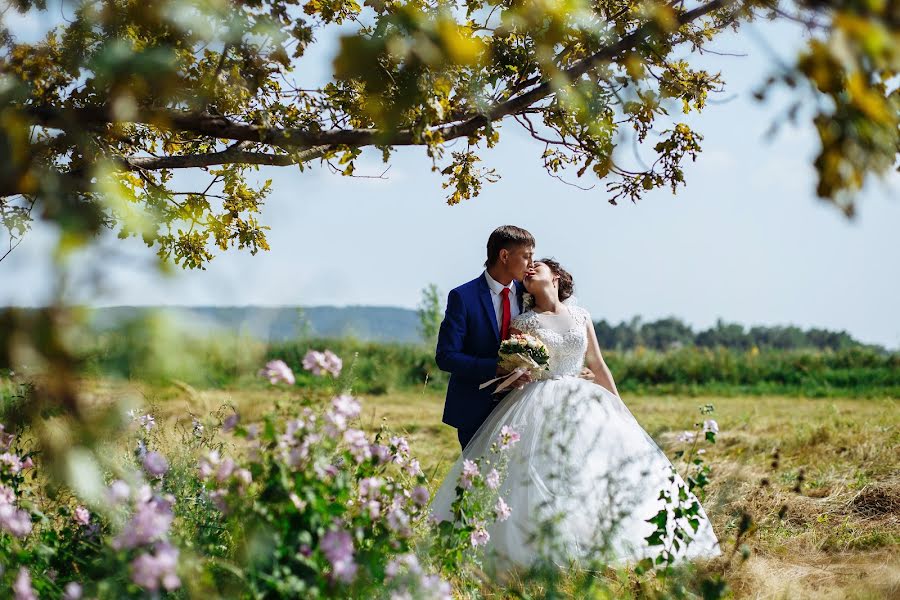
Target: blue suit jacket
[(467, 349)]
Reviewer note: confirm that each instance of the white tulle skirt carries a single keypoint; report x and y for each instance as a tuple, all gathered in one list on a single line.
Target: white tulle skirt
[(581, 482)]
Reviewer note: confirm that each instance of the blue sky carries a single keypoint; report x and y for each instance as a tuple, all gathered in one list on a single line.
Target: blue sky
[(745, 241)]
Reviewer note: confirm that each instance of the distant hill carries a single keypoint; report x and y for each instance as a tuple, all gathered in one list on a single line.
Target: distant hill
[(276, 324)]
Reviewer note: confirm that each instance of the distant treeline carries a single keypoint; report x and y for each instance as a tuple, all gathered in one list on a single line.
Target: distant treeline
[(659, 357), (672, 333)]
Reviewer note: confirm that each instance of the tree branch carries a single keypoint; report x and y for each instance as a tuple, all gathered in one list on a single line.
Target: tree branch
[(222, 127)]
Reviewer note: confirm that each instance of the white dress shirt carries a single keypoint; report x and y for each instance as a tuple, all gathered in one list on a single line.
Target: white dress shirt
[(497, 299)]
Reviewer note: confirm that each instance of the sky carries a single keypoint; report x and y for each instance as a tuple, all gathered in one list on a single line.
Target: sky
[(746, 240)]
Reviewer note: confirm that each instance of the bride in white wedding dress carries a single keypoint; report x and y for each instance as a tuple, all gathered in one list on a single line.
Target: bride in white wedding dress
[(584, 477)]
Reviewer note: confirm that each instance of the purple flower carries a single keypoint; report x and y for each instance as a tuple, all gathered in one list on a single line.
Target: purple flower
[(118, 492), (398, 522), (152, 571), (381, 453), (226, 468), (479, 536), (710, 425), (7, 495), (508, 437), (13, 462), (277, 370), (16, 522), (440, 589), (469, 473), (493, 479), (358, 443), (6, 439), (413, 469), (230, 422), (150, 522), (408, 560), (687, 436), (420, 495), (502, 510), (209, 464), (147, 422), (337, 546), (402, 447), (82, 516), (370, 487), (319, 363), (373, 507), (22, 589), (72, 591), (155, 464), (346, 405), (244, 478), (217, 497), (332, 363)]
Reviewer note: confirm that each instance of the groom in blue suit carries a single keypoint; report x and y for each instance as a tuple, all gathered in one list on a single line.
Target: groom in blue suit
[(477, 319)]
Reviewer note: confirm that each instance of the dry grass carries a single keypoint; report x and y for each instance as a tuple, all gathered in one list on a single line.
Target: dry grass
[(821, 477)]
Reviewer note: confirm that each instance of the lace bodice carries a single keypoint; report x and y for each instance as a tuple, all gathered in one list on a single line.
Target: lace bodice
[(566, 349)]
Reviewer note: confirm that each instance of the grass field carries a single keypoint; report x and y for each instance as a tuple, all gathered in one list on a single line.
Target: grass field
[(820, 477)]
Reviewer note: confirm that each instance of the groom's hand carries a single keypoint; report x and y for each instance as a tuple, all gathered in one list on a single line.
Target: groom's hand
[(587, 374)]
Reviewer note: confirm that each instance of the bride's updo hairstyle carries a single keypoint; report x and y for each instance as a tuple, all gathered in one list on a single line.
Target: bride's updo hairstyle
[(566, 285)]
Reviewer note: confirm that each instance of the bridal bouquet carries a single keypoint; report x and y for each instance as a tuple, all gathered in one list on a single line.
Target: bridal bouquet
[(519, 354)]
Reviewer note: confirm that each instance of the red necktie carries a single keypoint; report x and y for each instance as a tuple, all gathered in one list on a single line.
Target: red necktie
[(504, 320)]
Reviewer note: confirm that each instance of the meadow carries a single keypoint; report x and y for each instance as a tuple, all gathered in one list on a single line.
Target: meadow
[(820, 477), (804, 487)]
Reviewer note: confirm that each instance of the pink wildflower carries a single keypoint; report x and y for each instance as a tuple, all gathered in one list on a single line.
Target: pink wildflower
[(16, 522), (118, 492), (420, 495), (337, 546), (319, 363), (277, 370), (150, 571), (155, 464), (493, 479), (22, 589), (413, 469), (13, 461), (370, 487), (346, 405), (358, 443), (508, 437), (72, 591), (469, 473), (479, 536), (150, 522), (82, 516), (230, 422), (502, 510)]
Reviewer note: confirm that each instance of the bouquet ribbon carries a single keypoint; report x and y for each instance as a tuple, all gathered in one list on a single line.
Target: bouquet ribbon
[(506, 381)]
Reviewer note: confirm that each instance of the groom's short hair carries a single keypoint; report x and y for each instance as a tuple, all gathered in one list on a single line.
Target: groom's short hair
[(508, 237)]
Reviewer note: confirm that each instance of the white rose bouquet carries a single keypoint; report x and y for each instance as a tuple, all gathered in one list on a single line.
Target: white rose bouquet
[(519, 354)]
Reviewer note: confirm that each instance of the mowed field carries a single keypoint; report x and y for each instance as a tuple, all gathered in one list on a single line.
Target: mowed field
[(820, 477)]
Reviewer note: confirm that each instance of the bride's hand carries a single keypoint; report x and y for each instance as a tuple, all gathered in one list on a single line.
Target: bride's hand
[(587, 374), (518, 383)]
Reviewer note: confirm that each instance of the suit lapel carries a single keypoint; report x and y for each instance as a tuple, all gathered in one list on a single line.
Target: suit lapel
[(488, 304)]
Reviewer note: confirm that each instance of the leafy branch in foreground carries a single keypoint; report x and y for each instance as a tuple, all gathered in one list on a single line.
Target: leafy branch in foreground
[(98, 116)]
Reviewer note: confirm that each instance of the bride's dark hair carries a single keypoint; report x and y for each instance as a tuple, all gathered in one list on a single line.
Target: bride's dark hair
[(566, 285)]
